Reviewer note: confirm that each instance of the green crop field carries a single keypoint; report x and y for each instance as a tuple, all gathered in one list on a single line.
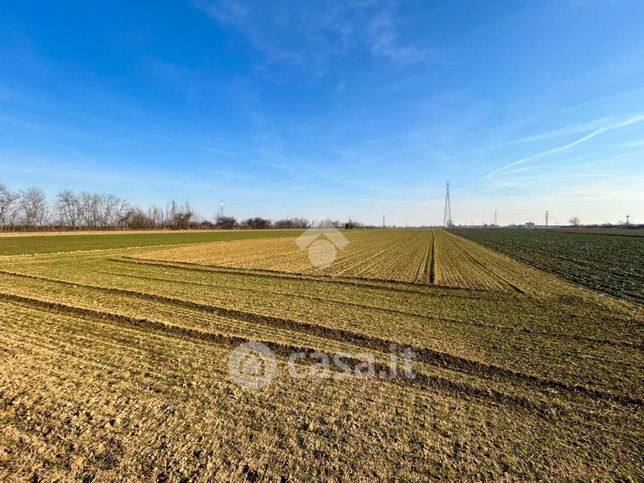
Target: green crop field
[(610, 260), (622, 231), (43, 243), (115, 355)]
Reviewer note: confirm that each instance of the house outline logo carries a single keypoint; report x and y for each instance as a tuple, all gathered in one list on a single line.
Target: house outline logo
[(322, 245), (252, 365)]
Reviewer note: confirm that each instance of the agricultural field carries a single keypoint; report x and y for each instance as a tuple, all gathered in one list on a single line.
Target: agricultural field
[(377, 254), (633, 231), (115, 363), (610, 260), (19, 244)]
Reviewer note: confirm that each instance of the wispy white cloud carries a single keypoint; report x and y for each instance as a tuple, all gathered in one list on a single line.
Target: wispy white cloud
[(573, 129), (230, 12), (630, 145), (299, 36), (265, 73), (583, 139), (365, 162), (216, 151), (285, 167), (383, 40), (246, 20)]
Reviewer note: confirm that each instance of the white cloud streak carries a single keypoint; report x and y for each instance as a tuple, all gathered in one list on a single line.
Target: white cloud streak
[(216, 151), (583, 139)]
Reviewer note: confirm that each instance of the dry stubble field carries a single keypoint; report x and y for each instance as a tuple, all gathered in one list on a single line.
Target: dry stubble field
[(114, 364)]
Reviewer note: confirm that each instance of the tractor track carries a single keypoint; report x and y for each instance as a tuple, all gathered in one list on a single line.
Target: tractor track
[(424, 354)]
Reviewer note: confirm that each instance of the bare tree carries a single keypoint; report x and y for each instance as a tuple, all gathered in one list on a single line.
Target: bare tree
[(292, 223), (8, 206), (328, 223), (90, 210), (170, 213), (575, 221), (136, 219), (87, 209), (226, 222), (350, 224), (257, 223), (178, 216), (30, 208), (155, 213), (33, 207), (113, 210), (68, 208)]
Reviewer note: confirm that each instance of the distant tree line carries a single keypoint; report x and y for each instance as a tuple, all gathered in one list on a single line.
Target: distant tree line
[(31, 210), (258, 223)]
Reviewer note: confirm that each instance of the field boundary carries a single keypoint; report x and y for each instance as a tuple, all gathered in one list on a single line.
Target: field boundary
[(377, 283)]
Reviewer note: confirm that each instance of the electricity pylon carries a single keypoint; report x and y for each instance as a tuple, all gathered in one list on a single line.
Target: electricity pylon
[(447, 216)]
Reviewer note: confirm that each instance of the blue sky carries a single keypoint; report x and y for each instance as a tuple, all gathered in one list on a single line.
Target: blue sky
[(331, 109)]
